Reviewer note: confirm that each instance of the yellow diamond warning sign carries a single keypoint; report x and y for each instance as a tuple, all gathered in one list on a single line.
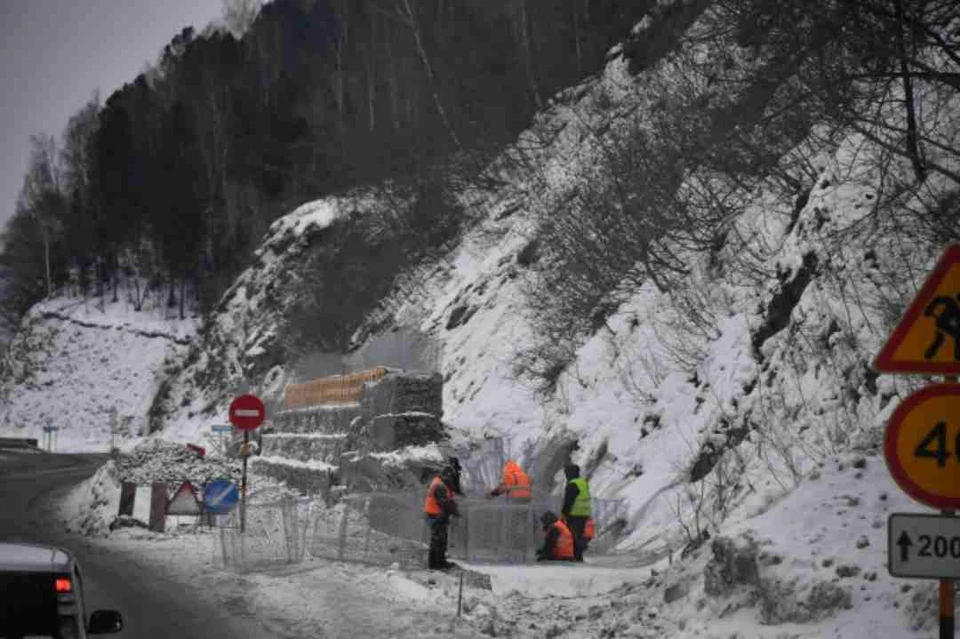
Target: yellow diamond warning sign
[(927, 339)]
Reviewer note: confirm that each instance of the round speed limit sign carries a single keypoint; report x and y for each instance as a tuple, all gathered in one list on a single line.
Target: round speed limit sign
[(922, 446)]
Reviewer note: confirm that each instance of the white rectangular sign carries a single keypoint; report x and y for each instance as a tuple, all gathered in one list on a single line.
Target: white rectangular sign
[(921, 546)]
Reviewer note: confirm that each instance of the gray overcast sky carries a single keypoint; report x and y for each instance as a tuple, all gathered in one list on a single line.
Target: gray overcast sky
[(55, 53)]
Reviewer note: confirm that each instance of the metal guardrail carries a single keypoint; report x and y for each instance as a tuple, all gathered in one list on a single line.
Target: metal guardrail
[(18, 442)]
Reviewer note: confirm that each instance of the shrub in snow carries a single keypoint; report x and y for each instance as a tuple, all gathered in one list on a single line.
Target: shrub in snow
[(734, 563), (781, 602), (922, 608)]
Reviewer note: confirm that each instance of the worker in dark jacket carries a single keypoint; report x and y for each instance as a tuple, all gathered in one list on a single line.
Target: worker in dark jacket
[(439, 506), (576, 509), (558, 541), (454, 464)]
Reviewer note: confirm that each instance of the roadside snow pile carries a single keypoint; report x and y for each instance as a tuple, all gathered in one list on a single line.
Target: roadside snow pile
[(157, 460), (91, 506)]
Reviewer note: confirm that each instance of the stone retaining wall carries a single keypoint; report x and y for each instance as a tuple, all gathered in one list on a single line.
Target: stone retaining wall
[(400, 409), (330, 420), (304, 448), (307, 480)]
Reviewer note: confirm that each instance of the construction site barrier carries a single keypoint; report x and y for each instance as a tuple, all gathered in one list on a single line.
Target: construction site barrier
[(274, 535), (390, 528), (335, 389)]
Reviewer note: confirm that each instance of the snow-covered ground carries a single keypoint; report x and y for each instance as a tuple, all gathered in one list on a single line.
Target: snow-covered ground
[(819, 559), (74, 362)]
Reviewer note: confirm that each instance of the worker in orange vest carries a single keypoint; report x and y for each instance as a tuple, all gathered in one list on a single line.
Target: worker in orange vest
[(514, 483), (558, 542), (439, 506)]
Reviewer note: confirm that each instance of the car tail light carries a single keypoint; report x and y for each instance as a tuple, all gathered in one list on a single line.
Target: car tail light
[(63, 584)]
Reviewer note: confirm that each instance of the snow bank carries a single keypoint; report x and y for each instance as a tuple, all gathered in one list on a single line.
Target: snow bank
[(156, 460), (543, 580)]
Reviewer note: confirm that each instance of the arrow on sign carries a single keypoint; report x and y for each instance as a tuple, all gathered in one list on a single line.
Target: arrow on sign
[(904, 542), (218, 497)]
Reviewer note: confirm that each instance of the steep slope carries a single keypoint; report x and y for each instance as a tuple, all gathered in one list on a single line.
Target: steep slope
[(703, 405), (73, 363), (724, 403)]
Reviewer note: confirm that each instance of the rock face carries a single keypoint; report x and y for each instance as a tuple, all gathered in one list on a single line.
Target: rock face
[(386, 440)]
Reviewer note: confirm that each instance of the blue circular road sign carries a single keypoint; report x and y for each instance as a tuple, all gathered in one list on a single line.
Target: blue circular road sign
[(220, 496)]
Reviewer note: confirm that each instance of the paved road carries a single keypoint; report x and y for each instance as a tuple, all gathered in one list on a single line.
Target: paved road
[(152, 606)]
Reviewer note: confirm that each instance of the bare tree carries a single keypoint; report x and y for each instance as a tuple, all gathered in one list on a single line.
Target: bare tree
[(41, 195), (408, 16)]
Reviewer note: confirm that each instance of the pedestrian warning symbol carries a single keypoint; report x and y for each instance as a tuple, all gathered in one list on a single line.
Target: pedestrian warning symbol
[(184, 501), (927, 339)]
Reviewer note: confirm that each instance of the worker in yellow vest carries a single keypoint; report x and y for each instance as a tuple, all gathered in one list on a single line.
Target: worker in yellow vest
[(576, 509), (558, 542), (514, 482), (438, 507)]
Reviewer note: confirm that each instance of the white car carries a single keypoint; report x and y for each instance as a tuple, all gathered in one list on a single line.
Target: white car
[(41, 595)]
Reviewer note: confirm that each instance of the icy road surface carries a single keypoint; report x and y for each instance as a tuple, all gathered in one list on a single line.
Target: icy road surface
[(152, 606)]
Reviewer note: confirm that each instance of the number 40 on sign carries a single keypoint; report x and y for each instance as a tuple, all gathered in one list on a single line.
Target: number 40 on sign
[(922, 446)]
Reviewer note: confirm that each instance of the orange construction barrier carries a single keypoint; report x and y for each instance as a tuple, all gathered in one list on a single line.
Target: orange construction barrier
[(334, 389)]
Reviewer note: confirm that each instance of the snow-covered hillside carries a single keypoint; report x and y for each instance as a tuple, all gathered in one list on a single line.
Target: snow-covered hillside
[(725, 404), (74, 362)]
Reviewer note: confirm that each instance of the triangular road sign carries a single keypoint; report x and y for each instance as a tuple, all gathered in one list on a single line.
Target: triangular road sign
[(927, 339), (184, 501)]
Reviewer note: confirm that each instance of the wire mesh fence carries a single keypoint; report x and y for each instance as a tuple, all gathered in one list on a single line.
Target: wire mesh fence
[(388, 528), (376, 528), (274, 535)]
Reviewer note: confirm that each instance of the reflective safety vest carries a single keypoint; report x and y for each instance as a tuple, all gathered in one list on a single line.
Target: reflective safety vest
[(563, 549), (431, 505), (516, 481), (590, 530), (581, 505)]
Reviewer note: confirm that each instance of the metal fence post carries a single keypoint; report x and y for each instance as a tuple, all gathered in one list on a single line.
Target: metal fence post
[(466, 535), (343, 532), (158, 506), (368, 508)]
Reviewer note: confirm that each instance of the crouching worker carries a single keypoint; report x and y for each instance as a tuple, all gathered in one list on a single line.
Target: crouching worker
[(439, 506), (558, 542)]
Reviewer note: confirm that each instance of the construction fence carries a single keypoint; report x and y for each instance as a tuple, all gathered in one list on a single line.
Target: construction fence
[(390, 528), (274, 535), (334, 389)]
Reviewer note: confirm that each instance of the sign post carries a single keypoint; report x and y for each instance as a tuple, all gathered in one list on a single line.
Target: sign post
[(247, 412), (49, 435), (222, 429), (922, 441)]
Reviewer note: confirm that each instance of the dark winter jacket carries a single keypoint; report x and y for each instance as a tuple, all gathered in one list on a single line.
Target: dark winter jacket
[(457, 469), (572, 471), (445, 499), (549, 542)]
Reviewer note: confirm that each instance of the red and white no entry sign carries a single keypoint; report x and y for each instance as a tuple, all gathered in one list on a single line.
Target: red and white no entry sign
[(247, 412)]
